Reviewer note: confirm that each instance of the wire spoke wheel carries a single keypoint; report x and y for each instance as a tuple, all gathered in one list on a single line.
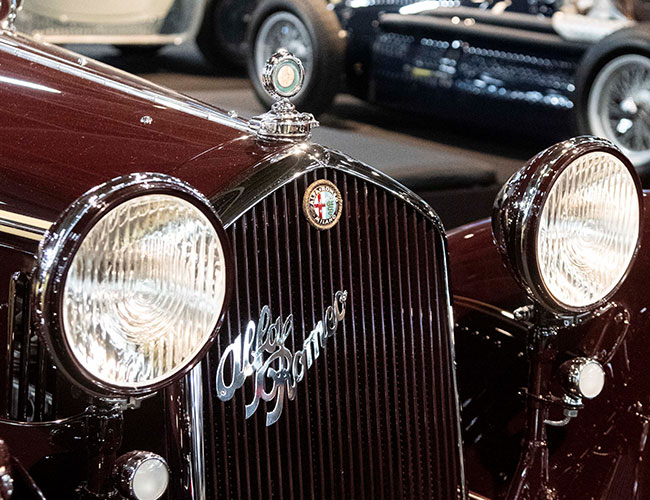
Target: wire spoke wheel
[(619, 105)]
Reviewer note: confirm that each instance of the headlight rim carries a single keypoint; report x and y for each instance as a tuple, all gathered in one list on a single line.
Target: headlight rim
[(517, 213), (61, 243)]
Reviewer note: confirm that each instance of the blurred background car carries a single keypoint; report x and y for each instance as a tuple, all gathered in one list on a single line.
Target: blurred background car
[(583, 64), (142, 26)]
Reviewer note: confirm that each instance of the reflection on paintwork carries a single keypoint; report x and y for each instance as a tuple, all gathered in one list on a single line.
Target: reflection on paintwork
[(30, 85)]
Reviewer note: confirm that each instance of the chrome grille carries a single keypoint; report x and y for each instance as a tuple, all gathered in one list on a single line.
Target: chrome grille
[(376, 416)]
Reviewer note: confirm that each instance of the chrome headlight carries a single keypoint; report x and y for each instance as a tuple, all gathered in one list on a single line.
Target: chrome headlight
[(568, 224), (131, 284)]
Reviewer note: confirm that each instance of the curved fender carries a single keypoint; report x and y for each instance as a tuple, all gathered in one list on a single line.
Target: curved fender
[(603, 452)]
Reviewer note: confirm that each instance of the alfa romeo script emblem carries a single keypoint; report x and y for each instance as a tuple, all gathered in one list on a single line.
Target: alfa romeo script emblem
[(259, 354), (322, 204)]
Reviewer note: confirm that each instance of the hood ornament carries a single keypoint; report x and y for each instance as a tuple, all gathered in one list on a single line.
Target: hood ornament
[(282, 78), (8, 12)]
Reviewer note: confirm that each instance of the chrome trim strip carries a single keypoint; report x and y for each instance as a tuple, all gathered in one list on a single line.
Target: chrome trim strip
[(22, 225), (476, 496), (194, 401), (280, 169), (82, 71)]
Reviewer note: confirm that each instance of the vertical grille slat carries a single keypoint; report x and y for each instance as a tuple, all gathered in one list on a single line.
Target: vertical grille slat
[(241, 320), (255, 304), (375, 415), (420, 348), (383, 410), (276, 252), (358, 470), (365, 231), (24, 333), (322, 304), (432, 362), (30, 376), (361, 296), (314, 303), (391, 314), (294, 408), (406, 422), (346, 492), (334, 353), (272, 255), (303, 405)]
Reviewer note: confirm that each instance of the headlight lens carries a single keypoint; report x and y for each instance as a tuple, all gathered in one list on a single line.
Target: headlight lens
[(588, 229), (568, 224), (131, 284), (144, 290)]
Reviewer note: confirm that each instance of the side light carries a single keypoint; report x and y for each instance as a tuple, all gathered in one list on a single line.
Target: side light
[(568, 224), (582, 378), (141, 475), (131, 283)]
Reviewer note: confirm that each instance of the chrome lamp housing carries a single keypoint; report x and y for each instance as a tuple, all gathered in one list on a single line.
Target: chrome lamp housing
[(131, 284), (568, 224)]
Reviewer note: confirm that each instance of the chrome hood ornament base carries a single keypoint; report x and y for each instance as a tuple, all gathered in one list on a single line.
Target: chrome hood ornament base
[(282, 78), (8, 12)]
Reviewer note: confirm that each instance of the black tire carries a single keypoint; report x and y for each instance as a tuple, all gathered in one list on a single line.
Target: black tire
[(328, 49), (139, 50), (221, 38), (595, 64)]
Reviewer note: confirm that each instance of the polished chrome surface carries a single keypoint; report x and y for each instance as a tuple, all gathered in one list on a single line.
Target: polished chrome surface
[(572, 373), (11, 13), (21, 225), (282, 78), (54, 261), (372, 375), (619, 105), (196, 460), (29, 394), (283, 75), (126, 467), (518, 214), (297, 160), (283, 30), (246, 357)]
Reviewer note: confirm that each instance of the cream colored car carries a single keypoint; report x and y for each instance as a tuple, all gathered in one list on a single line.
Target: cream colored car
[(121, 22)]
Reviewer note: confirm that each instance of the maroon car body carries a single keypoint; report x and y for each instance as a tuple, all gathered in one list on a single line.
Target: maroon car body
[(379, 415)]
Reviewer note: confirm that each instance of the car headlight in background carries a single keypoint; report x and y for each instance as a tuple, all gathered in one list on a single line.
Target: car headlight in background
[(131, 284), (568, 224)]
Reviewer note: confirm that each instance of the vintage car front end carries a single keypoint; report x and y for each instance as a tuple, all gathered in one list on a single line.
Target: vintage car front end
[(194, 307)]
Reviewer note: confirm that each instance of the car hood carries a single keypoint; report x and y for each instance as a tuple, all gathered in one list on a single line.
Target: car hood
[(69, 123)]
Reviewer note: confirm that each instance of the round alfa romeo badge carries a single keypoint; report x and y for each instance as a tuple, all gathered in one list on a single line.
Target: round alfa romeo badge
[(322, 204)]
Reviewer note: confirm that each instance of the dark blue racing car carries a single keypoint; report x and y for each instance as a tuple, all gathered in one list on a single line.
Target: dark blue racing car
[(512, 63)]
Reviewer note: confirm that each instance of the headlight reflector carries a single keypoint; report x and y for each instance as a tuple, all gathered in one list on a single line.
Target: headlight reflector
[(588, 229), (131, 284), (568, 224), (144, 290)]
